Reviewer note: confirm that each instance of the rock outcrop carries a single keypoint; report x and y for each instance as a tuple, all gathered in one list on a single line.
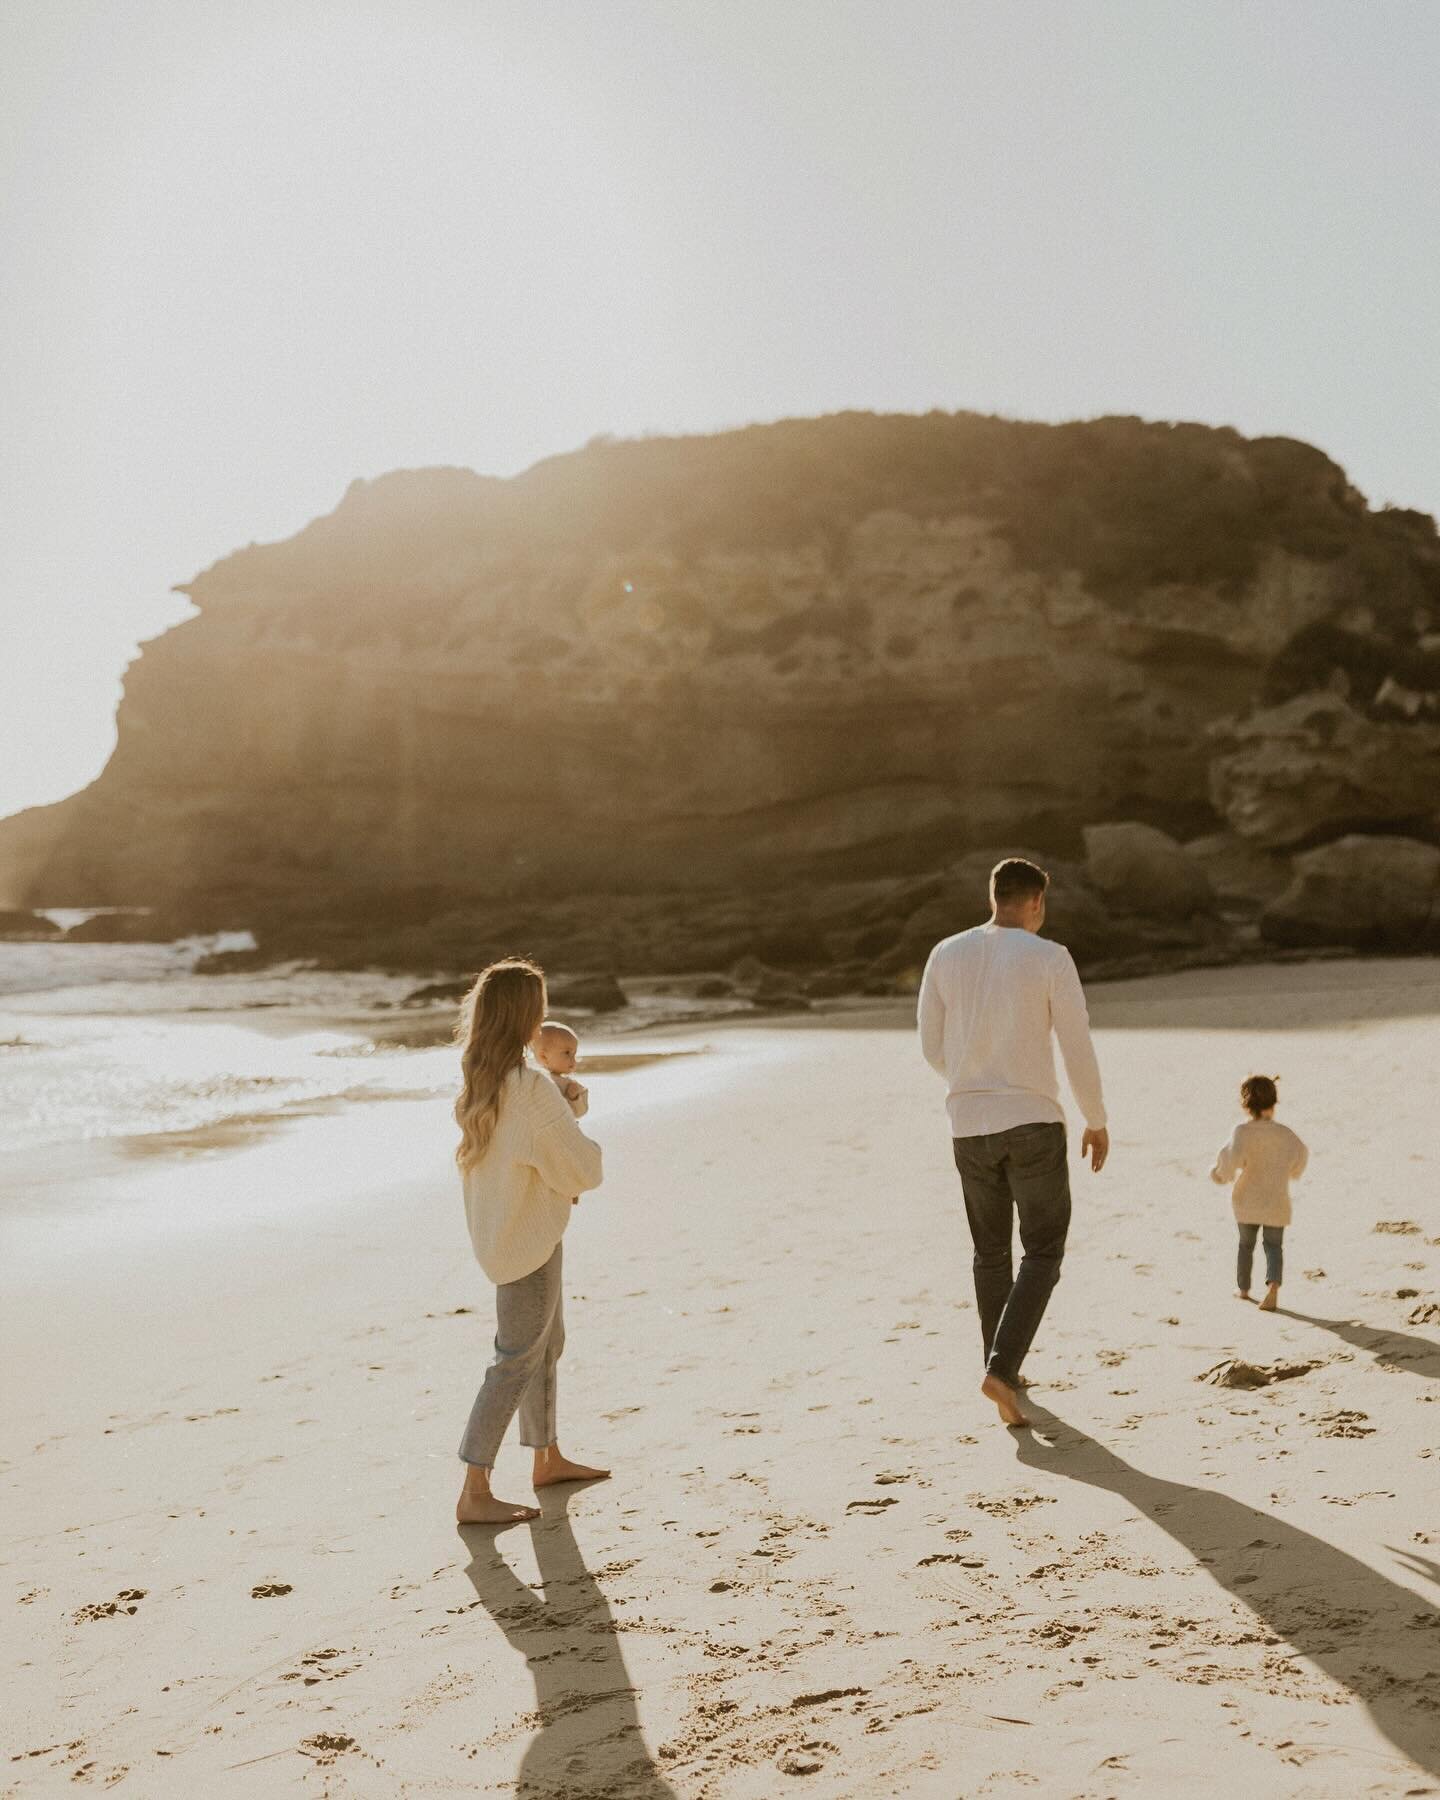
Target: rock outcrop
[(1373, 893), (668, 702), (1315, 768), (1139, 869)]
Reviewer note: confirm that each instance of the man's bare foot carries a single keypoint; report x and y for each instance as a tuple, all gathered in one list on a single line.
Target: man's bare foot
[(1272, 1297), (478, 1506), (993, 1388), (1243, 1294), (551, 1466)]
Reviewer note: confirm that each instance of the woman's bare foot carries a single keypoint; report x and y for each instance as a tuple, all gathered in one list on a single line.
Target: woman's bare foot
[(1001, 1392), (1243, 1294), (1272, 1297), (478, 1506), (551, 1466)]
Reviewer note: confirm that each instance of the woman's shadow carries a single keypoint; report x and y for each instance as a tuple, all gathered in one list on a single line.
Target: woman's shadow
[(1374, 1637), (589, 1739), (1401, 1350)]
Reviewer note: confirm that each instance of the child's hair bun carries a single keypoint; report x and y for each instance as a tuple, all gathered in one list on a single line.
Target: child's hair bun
[(1257, 1093)]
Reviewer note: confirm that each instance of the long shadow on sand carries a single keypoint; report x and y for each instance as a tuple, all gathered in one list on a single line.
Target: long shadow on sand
[(1374, 1637), (1401, 1350), (589, 1741)]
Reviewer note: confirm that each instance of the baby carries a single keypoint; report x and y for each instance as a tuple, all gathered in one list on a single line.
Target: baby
[(556, 1047), (1262, 1159)]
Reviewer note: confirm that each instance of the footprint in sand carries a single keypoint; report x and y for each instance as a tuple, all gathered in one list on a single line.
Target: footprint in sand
[(807, 1759), (826, 1695), (267, 1590), (1344, 1425), (1234, 1372), (871, 1506), (325, 1746), (124, 1601), (1397, 1227), (320, 1665), (1005, 1506)]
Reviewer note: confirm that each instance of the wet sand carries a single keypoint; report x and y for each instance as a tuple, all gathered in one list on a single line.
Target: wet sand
[(235, 1384)]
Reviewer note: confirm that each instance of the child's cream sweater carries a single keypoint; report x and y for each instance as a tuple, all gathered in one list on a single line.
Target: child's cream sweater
[(1262, 1159)]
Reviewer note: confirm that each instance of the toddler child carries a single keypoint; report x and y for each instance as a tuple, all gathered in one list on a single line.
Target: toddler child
[(1262, 1159)]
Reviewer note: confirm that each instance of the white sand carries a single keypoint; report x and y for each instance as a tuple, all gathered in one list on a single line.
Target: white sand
[(822, 1565)]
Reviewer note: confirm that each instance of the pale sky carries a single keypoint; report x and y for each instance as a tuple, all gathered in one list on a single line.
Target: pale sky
[(251, 249)]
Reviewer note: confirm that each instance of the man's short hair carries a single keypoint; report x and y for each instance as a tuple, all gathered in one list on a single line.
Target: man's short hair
[(1258, 1094), (1016, 879)]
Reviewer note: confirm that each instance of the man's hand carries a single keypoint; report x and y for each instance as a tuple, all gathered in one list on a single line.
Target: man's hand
[(1095, 1145)]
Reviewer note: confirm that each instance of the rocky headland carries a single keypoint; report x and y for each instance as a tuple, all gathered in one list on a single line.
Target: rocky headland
[(776, 698)]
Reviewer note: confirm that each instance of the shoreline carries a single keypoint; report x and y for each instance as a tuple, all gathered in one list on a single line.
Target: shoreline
[(1391, 987)]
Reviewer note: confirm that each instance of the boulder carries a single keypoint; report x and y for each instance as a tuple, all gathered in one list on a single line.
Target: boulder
[(588, 993), (1378, 893), (21, 924), (1141, 870), (750, 973), (1241, 874), (436, 993), (1315, 768)]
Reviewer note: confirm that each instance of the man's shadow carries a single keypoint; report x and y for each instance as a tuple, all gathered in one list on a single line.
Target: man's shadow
[(589, 1739), (1376, 1638), (1401, 1350)]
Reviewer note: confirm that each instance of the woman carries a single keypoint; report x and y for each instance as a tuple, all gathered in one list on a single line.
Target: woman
[(523, 1160)]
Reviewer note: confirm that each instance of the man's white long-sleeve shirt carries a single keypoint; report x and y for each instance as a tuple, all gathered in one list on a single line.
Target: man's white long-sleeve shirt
[(989, 1002)]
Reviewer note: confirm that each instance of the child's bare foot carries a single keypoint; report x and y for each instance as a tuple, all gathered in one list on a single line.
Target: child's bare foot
[(1272, 1296), (551, 1466), (478, 1506), (1001, 1392), (1243, 1294)]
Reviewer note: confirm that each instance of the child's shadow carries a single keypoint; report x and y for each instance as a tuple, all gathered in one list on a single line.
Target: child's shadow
[(1401, 1350), (1371, 1635), (589, 1738)]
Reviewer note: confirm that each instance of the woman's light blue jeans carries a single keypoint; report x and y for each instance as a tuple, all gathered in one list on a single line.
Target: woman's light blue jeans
[(529, 1336)]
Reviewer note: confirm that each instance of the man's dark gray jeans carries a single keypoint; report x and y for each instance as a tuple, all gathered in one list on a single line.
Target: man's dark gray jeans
[(1021, 1172)]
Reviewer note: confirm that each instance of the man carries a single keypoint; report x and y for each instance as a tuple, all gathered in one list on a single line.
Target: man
[(989, 1001)]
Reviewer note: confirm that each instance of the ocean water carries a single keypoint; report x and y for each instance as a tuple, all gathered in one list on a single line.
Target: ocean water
[(125, 1041)]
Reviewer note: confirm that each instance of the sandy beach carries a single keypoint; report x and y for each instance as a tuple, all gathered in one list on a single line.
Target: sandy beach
[(236, 1382)]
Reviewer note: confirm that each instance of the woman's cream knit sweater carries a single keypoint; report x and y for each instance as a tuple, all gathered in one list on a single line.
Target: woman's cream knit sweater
[(517, 1197)]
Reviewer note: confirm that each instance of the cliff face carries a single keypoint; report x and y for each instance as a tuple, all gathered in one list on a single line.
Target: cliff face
[(837, 648)]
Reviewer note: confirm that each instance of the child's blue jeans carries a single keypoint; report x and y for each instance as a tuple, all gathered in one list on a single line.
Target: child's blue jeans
[(1274, 1254)]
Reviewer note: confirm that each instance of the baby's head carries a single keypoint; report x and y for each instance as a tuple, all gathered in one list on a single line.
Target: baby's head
[(1258, 1095), (556, 1047)]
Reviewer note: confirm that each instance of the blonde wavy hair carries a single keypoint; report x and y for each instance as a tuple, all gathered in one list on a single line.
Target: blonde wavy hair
[(498, 1018)]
